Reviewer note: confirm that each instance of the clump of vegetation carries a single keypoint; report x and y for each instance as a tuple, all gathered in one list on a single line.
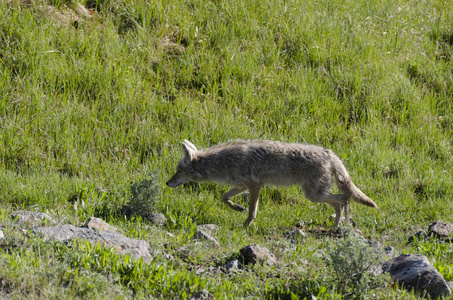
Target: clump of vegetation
[(145, 195), (351, 261)]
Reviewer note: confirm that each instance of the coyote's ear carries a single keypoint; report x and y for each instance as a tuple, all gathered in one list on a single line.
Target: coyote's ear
[(190, 145), (189, 150)]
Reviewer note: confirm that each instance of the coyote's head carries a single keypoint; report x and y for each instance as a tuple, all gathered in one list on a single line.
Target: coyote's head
[(185, 171)]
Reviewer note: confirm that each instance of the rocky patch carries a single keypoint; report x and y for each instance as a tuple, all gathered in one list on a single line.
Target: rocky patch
[(109, 239), (412, 272)]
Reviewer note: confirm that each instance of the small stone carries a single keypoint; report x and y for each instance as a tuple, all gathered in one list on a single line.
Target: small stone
[(99, 225), (389, 250), (2, 235), (202, 295), (208, 228), (156, 218), (232, 266), (420, 235), (201, 235), (253, 254)]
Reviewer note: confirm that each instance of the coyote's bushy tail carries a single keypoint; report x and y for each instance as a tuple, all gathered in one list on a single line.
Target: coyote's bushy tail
[(345, 184)]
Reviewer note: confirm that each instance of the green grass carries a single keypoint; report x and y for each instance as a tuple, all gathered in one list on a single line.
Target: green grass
[(88, 109)]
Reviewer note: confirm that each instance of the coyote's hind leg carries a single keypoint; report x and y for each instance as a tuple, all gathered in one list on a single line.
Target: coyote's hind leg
[(338, 201), (339, 208), (231, 193)]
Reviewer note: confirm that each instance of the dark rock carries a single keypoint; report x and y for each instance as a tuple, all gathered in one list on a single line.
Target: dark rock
[(415, 272), (156, 218), (389, 249), (253, 254), (109, 239), (420, 235), (202, 295)]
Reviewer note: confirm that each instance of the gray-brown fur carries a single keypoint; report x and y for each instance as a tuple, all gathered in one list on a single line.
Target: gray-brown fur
[(248, 165)]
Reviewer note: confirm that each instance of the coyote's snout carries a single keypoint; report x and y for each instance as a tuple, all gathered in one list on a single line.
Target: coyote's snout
[(248, 165)]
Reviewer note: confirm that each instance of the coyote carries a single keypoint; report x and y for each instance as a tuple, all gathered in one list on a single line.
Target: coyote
[(248, 165)]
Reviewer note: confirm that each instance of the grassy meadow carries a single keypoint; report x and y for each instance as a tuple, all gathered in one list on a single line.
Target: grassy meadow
[(91, 104)]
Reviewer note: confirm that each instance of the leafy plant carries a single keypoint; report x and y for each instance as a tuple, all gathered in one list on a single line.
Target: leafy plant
[(351, 262), (145, 195)]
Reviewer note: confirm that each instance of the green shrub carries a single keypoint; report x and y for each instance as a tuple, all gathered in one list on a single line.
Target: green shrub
[(145, 195), (351, 261)]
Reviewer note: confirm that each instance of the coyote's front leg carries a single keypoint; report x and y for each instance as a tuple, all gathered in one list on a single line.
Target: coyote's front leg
[(231, 193), (253, 203)]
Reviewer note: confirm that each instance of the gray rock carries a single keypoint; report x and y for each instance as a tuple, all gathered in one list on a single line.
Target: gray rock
[(201, 235), (232, 266), (99, 225), (210, 229), (253, 254), (207, 271), (420, 235), (109, 239), (156, 218), (33, 218), (205, 232), (2, 235), (202, 295), (439, 229), (415, 272)]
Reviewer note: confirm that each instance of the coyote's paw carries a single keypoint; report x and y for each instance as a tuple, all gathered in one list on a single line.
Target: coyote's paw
[(239, 208)]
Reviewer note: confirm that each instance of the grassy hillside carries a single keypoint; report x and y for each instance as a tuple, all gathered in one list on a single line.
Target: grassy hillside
[(90, 103)]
